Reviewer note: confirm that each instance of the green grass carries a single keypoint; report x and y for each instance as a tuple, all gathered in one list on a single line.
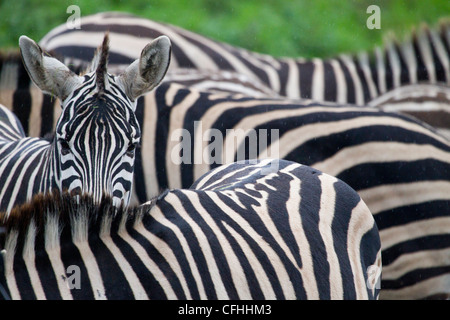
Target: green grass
[(279, 27)]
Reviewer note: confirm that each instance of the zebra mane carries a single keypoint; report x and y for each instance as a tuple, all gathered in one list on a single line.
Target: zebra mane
[(423, 32), (99, 64), (52, 218)]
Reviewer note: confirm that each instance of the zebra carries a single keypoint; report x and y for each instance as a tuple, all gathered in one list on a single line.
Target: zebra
[(240, 232), (400, 167), (93, 148), (421, 61)]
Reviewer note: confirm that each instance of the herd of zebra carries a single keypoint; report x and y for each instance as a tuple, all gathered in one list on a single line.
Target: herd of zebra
[(134, 163)]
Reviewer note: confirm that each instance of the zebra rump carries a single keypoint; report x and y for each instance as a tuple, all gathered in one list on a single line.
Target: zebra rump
[(240, 232)]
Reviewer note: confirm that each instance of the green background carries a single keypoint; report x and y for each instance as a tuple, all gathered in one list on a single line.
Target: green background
[(307, 28)]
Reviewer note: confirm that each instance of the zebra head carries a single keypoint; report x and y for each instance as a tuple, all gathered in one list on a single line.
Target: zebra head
[(97, 132)]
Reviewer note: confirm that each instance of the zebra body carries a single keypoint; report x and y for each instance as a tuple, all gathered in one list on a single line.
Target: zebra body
[(400, 168), (238, 233), (357, 79), (93, 147)]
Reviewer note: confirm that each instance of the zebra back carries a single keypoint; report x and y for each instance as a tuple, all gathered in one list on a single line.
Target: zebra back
[(294, 233)]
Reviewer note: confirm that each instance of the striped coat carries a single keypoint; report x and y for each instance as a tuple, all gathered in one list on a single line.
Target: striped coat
[(238, 233), (400, 168)]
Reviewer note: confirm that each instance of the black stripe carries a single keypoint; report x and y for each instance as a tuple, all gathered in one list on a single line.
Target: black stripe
[(114, 280), (438, 66), (422, 72), (141, 189), (343, 213), (47, 118), (412, 213), (70, 256), (23, 282), (87, 53), (306, 71), (22, 99), (404, 72), (421, 244), (283, 73), (330, 85), (388, 75), (45, 271), (310, 192), (362, 78), (379, 174), (351, 92), (410, 278)]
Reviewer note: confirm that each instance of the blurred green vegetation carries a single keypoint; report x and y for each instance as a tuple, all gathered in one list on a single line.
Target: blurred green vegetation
[(306, 28)]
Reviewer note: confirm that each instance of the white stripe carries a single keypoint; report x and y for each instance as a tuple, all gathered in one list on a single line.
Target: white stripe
[(359, 97), (420, 290), (292, 84), (341, 84), (53, 249), (413, 230), (401, 194), (93, 270), (381, 70), (370, 153), (441, 53), (7, 255), (207, 251), (177, 122), (395, 64), (424, 259), (363, 59), (29, 259), (293, 205), (318, 80), (407, 51), (326, 217), (361, 222), (427, 57)]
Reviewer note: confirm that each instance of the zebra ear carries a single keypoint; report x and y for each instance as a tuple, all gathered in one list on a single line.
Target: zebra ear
[(49, 74), (147, 72)]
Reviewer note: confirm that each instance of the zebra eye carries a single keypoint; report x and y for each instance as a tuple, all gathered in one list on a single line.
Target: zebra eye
[(130, 150), (65, 148)]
